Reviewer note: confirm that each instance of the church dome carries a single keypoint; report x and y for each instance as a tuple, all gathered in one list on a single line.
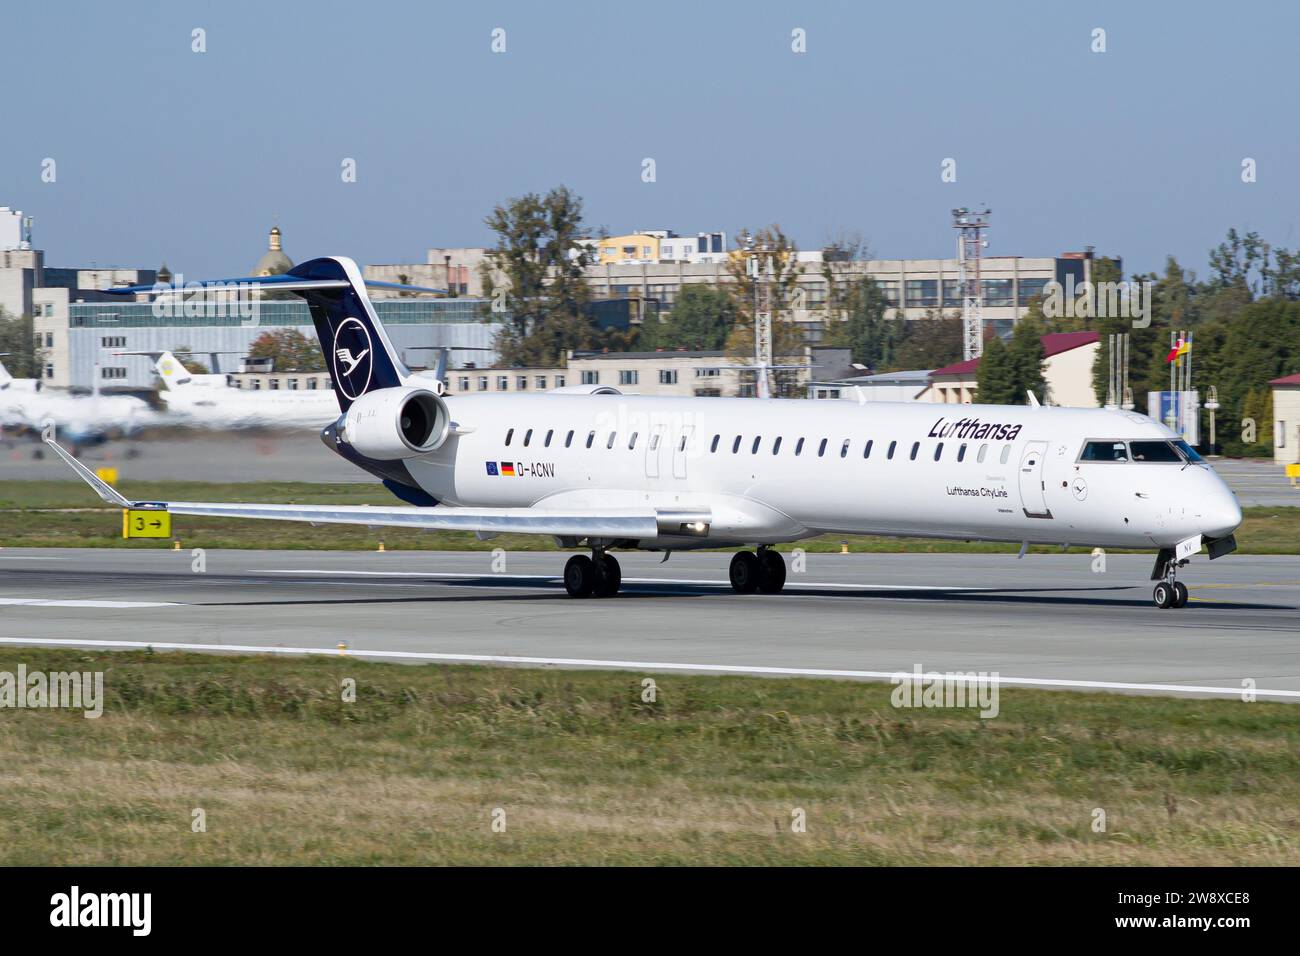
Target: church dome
[(274, 262)]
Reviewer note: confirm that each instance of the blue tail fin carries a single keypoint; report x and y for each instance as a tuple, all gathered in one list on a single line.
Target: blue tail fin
[(355, 347)]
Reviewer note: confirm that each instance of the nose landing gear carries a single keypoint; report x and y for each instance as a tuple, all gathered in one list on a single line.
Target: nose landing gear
[(1170, 592), (764, 572)]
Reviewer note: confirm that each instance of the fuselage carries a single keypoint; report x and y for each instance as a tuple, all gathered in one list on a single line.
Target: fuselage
[(767, 471), (216, 404)]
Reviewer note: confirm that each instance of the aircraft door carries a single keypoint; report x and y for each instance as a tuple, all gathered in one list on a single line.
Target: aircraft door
[(1033, 490), (652, 451), (680, 451)]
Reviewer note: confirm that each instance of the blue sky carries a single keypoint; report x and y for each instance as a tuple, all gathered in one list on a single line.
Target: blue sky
[(163, 153)]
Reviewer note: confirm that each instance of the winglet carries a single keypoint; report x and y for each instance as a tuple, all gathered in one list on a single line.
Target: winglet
[(102, 488)]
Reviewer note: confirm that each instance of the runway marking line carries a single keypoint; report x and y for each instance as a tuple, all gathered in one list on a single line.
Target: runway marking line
[(632, 665), (50, 602)]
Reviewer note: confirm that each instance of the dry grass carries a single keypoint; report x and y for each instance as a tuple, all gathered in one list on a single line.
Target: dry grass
[(588, 773)]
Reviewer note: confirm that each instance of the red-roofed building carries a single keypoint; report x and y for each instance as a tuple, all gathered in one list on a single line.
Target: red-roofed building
[(1067, 368), (1286, 419)]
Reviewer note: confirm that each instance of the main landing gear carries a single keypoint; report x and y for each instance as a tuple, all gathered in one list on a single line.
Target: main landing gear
[(597, 575), (1170, 592), (764, 572)]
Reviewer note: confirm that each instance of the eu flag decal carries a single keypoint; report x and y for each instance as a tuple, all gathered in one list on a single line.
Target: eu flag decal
[(492, 468)]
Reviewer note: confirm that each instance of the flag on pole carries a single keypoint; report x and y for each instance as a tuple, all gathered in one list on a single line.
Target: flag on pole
[(1181, 348)]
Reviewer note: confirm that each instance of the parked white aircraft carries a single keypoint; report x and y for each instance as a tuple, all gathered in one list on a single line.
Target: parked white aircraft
[(210, 400), (597, 469), (79, 418)]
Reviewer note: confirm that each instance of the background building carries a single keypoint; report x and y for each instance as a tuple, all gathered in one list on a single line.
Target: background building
[(1067, 369), (1286, 419), (80, 336)]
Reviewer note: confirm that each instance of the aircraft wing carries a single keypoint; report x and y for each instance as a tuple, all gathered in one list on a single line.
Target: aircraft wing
[(596, 523)]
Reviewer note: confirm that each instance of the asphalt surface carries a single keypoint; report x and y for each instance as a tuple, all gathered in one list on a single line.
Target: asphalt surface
[(1044, 619), (259, 455)]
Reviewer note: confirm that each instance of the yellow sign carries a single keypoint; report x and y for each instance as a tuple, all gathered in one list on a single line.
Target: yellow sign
[(146, 524), (107, 475), (1293, 472)]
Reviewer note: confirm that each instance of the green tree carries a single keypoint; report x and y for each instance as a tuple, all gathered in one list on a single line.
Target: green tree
[(701, 319), (18, 338), (932, 342), (776, 291), (996, 383), (534, 277), (290, 349), (871, 338), (1025, 358)]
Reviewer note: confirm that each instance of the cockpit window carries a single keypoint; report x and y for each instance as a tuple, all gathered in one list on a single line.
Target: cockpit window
[(1188, 451), (1160, 451), (1104, 451)]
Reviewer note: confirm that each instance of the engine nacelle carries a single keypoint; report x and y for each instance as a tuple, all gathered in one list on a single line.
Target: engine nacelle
[(392, 423)]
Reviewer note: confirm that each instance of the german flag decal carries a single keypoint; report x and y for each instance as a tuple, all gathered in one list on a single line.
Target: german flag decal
[(508, 469)]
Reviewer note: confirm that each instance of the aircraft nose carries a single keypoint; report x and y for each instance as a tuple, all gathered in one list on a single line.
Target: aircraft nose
[(1222, 516)]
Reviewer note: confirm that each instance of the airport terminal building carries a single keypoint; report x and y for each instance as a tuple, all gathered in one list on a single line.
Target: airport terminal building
[(80, 337)]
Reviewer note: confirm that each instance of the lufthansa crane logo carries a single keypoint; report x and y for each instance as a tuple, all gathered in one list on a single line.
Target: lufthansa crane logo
[(353, 358)]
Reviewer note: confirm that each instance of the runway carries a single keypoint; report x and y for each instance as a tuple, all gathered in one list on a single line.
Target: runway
[(1047, 620)]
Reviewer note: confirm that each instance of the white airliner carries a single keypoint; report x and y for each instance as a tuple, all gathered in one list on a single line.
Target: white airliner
[(79, 418), (599, 470), (209, 400)]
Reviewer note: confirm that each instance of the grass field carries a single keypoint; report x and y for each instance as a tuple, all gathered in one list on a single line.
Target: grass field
[(586, 771), (1264, 531)]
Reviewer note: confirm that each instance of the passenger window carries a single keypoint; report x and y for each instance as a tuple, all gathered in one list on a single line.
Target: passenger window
[(654, 441), (1006, 453), (591, 437), (632, 441), (568, 439), (549, 433), (714, 446), (938, 451), (961, 452), (821, 449), (528, 437), (1160, 451), (776, 445), (866, 449), (610, 444), (844, 449), (984, 450), (757, 440), (735, 446), (1104, 451), (916, 446), (509, 435), (892, 446), (798, 448)]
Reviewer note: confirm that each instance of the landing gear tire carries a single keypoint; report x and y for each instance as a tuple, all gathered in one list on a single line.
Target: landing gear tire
[(580, 576), (1163, 595), (610, 577), (771, 566), (1180, 594), (745, 572)]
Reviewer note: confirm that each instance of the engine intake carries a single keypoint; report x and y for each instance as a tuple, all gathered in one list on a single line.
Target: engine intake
[(393, 423)]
